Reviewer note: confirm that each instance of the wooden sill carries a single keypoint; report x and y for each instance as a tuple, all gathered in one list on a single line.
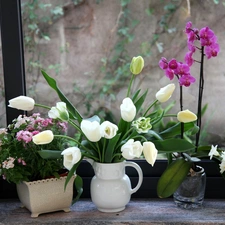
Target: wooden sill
[(138, 211)]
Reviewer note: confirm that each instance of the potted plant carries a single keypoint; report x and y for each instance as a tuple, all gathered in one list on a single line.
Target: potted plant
[(22, 164), (105, 144), (183, 177)]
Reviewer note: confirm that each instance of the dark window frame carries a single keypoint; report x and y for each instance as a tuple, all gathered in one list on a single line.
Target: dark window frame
[(13, 67)]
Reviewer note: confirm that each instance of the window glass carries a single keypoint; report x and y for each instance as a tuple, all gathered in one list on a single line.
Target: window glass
[(2, 95), (88, 45)]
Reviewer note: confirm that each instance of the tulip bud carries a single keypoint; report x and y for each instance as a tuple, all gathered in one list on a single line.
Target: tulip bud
[(108, 129), (165, 93), (59, 112), (186, 116), (91, 130), (150, 152), (44, 137), (22, 103), (71, 156), (136, 65), (127, 110)]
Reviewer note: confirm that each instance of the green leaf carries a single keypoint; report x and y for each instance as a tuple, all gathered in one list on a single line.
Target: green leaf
[(175, 130), (53, 84), (79, 187), (172, 177), (173, 145), (110, 148), (50, 154), (139, 102)]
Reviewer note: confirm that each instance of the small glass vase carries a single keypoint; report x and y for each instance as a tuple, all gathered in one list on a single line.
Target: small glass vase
[(190, 194)]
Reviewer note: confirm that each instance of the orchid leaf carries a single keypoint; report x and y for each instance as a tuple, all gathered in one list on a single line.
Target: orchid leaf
[(53, 84), (79, 187), (50, 154), (173, 145), (172, 177)]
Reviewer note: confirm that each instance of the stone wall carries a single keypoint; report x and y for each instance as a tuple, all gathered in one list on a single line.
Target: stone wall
[(89, 33)]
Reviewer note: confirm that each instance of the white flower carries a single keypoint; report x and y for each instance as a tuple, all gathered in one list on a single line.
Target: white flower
[(132, 149), (128, 110), (91, 130), (22, 103), (186, 116), (71, 156), (108, 129), (213, 152), (59, 112), (165, 93), (43, 137), (150, 152), (222, 166)]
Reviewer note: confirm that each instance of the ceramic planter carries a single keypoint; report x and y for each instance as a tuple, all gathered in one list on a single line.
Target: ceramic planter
[(46, 195)]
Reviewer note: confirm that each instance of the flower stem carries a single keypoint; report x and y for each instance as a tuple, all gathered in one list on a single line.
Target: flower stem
[(150, 107), (42, 106), (130, 84), (200, 95)]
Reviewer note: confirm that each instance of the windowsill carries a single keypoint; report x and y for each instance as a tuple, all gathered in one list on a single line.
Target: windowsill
[(138, 211)]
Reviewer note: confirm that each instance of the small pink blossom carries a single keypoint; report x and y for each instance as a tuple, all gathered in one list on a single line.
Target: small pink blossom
[(169, 73), (212, 50), (24, 163), (163, 64), (25, 136), (186, 80), (182, 69), (188, 28), (188, 58), (206, 33), (173, 64)]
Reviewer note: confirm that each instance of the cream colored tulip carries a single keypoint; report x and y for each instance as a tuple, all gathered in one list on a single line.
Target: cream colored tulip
[(150, 152), (91, 130), (22, 103), (59, 112), (108, 130), (186, 116), (137, 64), (165, 93), (132, 149), (44, 137), (127, 110), (71, 156)]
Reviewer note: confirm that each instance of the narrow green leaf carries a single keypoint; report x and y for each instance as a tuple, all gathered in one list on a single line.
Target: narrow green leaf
[(139, 102), (50, 154), (53, 84), (79, 187)]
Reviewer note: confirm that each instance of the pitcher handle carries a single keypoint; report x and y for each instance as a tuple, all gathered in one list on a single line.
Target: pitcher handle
[(140, 175)]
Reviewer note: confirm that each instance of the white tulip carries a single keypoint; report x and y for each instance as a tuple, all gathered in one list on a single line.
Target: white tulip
[(108, 129), (71, 156), (186, 116), (131, 149), (59, 112), (150, 152), (43, 137), (91, 130), (165, 93), (128, 110), (22, 103)]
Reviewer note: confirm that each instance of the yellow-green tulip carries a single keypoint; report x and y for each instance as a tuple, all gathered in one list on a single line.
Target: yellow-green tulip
[(136, 65)]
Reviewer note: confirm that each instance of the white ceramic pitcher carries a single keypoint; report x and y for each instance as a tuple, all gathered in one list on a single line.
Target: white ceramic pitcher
[(110, 187)]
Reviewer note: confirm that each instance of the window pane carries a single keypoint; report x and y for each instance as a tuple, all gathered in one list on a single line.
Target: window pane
[(2, 94)]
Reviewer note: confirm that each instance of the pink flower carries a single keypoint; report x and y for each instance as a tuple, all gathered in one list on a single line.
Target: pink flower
[(163, 64), (169, 73), (24, 163), (212, 50), (206, 33), (188, 28), (186, 80), (35, 132), (191, 47), (172, 64), (188, 58), (182, 69), (25, 136)]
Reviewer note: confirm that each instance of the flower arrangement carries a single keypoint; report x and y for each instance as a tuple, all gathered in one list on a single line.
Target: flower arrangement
[(180, 163), (103, 141), (19, 156)]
